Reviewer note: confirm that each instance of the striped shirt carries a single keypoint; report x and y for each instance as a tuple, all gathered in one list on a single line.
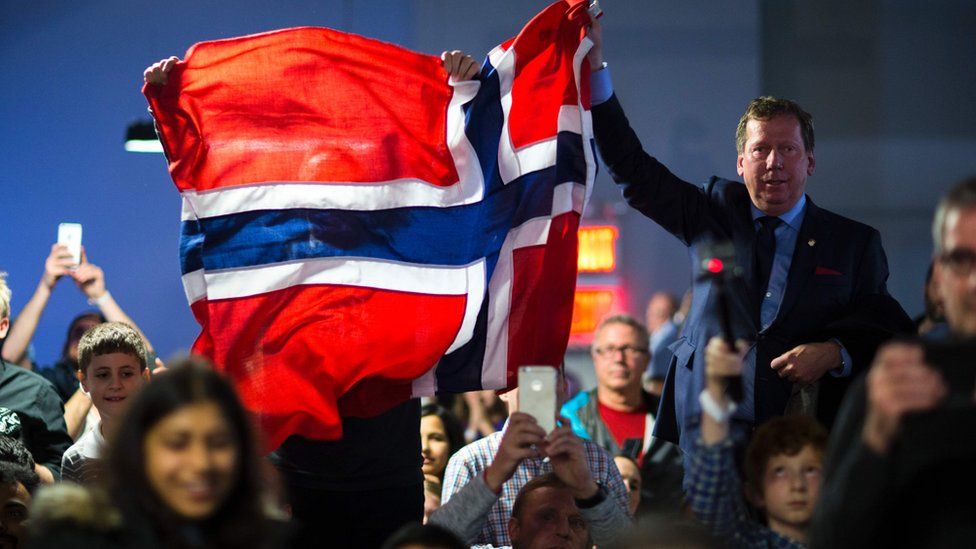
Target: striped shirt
[(80, 462), (473, 459)]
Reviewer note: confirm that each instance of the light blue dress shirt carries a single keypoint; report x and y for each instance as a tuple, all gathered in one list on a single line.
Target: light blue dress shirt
[(601, 89)]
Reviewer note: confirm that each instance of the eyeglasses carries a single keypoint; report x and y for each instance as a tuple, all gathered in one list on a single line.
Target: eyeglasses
[(627, 350), (961, 261)]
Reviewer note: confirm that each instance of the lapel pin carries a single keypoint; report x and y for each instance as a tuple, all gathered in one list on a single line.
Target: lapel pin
[(811, 242)]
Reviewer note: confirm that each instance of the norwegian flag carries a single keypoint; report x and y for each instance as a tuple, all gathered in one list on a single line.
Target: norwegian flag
[(359, 229)]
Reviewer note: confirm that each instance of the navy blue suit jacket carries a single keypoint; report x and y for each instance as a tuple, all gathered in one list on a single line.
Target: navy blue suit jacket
[(836, 286)]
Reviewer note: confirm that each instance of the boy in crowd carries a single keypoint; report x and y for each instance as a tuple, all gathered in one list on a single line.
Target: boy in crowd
[(783, 466), (112, 369), (90, 280)]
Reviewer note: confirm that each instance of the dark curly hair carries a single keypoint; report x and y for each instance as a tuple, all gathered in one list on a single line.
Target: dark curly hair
[(780, 436)]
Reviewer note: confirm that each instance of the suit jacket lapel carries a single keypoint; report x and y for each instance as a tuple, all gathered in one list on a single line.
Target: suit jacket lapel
[(812, 235)]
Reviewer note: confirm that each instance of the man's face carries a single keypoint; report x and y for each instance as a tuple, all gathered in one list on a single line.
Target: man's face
[(15, 501), (774, 163), (113, 380), (791, 488), (659, 310), (78, 330), (619, 357), (550, 519), (956, 271)]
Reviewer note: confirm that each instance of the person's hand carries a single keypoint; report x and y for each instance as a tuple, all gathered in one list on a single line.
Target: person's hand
[(568, 458), (521, 440), (58, 263), (899, 383), (721, 363), (157, 74), (160, 367), (89, 278), (459, 65), (595, 55), (807, 363)]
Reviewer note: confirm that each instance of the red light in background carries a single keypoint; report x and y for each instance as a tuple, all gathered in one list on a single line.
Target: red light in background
[(715, 265)]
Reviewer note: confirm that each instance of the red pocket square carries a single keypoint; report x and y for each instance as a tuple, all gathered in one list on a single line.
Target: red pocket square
[(827, 271)]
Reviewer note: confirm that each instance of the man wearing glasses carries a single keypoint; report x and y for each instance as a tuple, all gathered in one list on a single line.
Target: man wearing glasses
[(894, 473), (617, 414)]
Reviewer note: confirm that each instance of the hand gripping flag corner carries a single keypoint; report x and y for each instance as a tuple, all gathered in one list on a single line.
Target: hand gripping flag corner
[(358, 229)]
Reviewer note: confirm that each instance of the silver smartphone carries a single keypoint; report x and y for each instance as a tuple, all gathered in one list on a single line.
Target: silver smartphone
[(69, 234), (537, 394)]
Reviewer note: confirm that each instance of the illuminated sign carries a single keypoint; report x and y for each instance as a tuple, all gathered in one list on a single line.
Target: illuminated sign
[(597, 252)]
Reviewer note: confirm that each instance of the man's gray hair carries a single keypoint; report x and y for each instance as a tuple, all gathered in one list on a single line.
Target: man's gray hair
[(962, 196), (626, 320)]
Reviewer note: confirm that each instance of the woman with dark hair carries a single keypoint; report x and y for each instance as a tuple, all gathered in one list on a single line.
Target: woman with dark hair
[(441, 435), (182, 469), (184, 464)]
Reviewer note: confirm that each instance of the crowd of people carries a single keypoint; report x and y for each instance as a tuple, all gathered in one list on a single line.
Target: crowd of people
[(789, 406)]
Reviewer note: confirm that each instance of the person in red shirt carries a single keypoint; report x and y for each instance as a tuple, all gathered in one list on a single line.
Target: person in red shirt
[(618, 413)]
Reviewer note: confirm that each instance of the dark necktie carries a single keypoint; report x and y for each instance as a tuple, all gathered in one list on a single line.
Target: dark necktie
[(765, 251)]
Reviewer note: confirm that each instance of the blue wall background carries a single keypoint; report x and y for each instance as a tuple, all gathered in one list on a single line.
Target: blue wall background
[(890, 83)]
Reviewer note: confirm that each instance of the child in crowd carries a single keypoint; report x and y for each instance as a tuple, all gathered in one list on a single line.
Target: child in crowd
[(112, 369), (182, 471), (783, 467)]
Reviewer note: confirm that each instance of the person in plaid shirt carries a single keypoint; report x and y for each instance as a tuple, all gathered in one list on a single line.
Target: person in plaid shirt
[(476, 459), (783, 466)]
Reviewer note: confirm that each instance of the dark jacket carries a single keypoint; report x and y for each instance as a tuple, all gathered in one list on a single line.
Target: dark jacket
[(31, 411), (836, 287)]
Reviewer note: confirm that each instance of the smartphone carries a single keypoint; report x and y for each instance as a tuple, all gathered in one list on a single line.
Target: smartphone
[(69, 234), (537, 394)]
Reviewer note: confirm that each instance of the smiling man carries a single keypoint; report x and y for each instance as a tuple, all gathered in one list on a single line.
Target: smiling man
[(812, 302)]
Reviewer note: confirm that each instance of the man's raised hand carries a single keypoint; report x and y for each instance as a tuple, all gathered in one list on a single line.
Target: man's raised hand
[(521, 440)]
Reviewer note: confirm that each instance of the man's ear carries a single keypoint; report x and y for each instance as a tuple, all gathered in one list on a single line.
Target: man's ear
[(513, 530), (4, 326), (738, 165), (811, 163), (146, 374)]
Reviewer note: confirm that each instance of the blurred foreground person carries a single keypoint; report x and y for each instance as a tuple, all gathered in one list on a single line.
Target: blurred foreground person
[(900, 467), (182, 470)]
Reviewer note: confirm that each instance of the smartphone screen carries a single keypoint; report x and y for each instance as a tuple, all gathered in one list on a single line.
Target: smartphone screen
[(537, 394), (69, 234)]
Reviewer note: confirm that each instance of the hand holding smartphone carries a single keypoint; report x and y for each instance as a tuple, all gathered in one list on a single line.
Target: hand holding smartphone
[(537, 394), (69, 234)]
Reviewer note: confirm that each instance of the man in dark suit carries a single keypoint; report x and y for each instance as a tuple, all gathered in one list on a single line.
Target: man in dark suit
[(811, 304)]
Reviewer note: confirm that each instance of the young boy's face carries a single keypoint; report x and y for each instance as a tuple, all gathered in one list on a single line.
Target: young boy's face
[(791, 488), (112, 380)]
